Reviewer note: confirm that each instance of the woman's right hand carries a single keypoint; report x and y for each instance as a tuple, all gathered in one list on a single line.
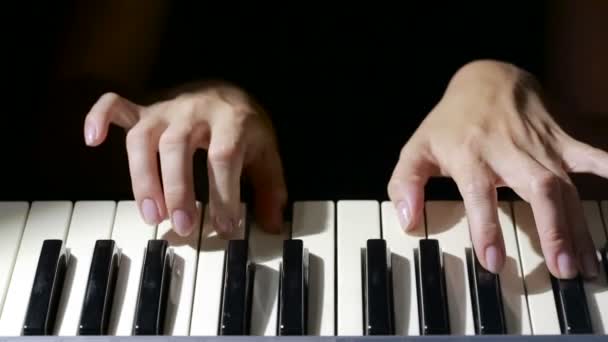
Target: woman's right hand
[(220, 118)]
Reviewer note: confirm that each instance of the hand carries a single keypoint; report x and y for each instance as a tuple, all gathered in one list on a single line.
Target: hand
[(492, 129), (217, 117)]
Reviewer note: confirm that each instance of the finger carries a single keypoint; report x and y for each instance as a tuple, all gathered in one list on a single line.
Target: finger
[(583, 242), (225, 163), (266, 174), (582, 158), (476, 183), (142, 147), (110, 108), (406, 186), (176, 160)]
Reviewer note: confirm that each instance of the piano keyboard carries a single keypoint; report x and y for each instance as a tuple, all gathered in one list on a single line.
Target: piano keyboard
[(338, 269)]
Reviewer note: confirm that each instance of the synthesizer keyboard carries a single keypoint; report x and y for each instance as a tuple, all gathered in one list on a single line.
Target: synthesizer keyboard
[(339, 270)]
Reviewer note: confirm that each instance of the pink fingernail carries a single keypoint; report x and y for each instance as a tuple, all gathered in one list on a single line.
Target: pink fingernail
[(90, 134), (565, 263), (224, 225), (150, 211), (492, 259), (404, 214), (182, 222)]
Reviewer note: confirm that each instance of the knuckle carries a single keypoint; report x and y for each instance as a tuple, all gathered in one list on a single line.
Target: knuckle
[(476, 134), (477, 190), (139, 136), (224, 153), (544, 184), (174, 138), (553, 238)]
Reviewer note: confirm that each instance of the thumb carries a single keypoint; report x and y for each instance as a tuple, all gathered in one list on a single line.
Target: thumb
[(406, 186)]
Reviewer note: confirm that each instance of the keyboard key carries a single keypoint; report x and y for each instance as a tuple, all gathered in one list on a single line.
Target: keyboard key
[(46, 289), (377, 289), (357, 222), (313, 223), (266, 252), (46, 221), (91, 221), (153, 289), (402, 246), (131, 233), (292, 290), (541, 303), (207, 298), (571, 302), (12, 223), (99, 290), (488, 310), (181, 290), (431, 289), (596, 289), (235, 311), (447, 223), (515, 304)]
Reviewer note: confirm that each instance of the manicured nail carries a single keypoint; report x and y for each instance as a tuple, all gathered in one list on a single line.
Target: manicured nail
[(566, 265), (150, 210), (224, 225), (90, 134), (493, 259), (182, 222), (590, 265), (404, 214)]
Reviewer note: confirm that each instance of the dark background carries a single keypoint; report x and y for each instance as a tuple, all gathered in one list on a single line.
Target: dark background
[(345, 85)]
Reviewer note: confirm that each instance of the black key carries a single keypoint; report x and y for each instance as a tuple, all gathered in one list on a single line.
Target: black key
[(486, 297), (46, 289), (572, 310), (236, 292), (377, 289), (153, 289), (430, 279), (99, 293), (293, 285)]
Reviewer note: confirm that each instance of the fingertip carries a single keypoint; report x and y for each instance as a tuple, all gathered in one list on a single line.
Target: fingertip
[(566, 266), (182, 222), (494, 259)]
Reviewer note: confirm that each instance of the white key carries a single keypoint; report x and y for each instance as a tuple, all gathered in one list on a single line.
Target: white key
[(208, 290), (181, 291), (266, 252), (313, 223), (597, 289), (12, 223), (46, 220), (358, 221), (131, 234), (511, 279), (402, 245), (447, 222), (541, 303), (91, 221)]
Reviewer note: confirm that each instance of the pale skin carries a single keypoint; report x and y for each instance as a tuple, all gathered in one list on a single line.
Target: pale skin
[(492, 128)]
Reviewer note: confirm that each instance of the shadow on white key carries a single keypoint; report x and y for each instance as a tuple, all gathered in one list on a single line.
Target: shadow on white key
[(210, 268), (91, 221), (46, 220), (447, 222), (401, 246), (313, 223), (597, 289), (183, 276), (131, 234), (266, 252), (12, 223), (541, 303)]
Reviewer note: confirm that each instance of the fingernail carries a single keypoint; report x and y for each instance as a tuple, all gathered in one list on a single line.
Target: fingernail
[(150, 210), (566, 265), (182, 222), (90, 134), (590, 265), (404, 214), (493, 259), (224, 225)]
